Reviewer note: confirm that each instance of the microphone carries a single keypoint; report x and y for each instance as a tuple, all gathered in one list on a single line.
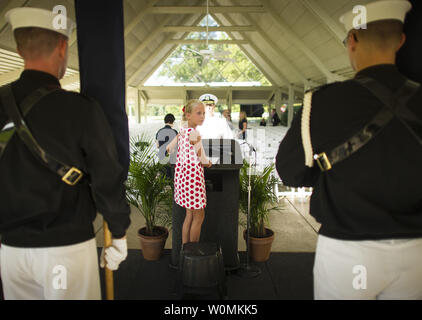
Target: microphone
[(251, 147)]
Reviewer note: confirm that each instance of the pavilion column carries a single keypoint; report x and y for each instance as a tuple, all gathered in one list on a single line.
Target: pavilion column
[(138, 108), (127, 108), (143, 102), (277, 102), (230, 100), (144, 110), (290, 105), (185, 98)]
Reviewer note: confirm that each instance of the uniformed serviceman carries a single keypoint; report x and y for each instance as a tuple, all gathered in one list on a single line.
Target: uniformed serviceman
[(52, 254), (367, 191), (213, 126)]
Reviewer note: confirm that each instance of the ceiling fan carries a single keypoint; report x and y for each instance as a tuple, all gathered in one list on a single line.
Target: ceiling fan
[(210, 54), (216, 55)]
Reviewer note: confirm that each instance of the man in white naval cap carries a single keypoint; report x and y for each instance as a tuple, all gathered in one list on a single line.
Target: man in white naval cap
[(48, 241), (362, 154), (213, 126)]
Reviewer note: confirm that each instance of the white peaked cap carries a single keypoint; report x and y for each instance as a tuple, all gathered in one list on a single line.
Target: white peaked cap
[(39, 18), (375, 11), (208, 98)]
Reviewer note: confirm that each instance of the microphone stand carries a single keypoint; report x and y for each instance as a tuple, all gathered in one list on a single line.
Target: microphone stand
[(246, 270)]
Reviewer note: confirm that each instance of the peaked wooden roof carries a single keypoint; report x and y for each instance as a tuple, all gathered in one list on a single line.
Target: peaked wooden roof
[(292, 42)]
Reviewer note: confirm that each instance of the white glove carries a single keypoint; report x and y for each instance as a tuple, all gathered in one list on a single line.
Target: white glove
[(114, 255)]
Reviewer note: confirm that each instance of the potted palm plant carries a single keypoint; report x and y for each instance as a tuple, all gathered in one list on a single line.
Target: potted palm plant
[(262, 202), (149, 190)]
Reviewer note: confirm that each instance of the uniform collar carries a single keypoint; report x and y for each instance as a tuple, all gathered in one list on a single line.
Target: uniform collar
[(35, 76), (380, 69)]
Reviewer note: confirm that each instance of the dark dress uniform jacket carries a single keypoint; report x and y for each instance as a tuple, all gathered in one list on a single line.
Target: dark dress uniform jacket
[(376, 192), (73, 129)]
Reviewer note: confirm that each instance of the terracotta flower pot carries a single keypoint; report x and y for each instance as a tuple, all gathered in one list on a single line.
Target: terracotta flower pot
[(260, 248), (153, 246)]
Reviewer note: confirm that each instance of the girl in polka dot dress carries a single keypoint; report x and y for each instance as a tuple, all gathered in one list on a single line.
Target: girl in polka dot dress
[(189, 182)]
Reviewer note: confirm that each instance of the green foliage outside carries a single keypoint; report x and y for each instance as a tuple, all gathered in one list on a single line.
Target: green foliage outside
[(186, 65), (154, 110), (176, 110)]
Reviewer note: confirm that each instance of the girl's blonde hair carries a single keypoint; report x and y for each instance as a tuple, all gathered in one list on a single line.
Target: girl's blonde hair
[(190, 106), (242, 115)]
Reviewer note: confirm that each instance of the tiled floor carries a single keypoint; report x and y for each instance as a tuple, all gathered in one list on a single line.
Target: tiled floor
[(295, 230), (286, 275)]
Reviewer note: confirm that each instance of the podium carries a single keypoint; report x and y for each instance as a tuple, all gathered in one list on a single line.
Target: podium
[(222, 212)]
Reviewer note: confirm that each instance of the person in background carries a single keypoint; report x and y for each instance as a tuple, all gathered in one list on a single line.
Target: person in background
[(275, 119), (227, 115), (213, 126), (163, 137), (243, 125), (263, 122)]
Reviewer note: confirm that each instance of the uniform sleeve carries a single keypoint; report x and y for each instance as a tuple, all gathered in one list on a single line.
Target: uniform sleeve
[(3, 117), (106, 173), (290, 159)]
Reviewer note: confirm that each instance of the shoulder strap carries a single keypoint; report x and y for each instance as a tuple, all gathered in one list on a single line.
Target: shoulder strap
[(70, 175), (30, 101), (395, 105), (7, 129)]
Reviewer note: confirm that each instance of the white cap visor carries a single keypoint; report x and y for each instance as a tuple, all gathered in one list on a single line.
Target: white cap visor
[(208, 98)]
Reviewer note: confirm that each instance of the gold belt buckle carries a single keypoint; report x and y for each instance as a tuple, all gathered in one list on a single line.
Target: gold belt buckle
[(323, 162), (73, 176)]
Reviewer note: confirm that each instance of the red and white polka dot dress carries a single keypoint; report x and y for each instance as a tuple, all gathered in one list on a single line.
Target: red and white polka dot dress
[(189, 182)]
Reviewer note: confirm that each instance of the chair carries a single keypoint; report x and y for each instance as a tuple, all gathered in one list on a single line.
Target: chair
[(201, 270)]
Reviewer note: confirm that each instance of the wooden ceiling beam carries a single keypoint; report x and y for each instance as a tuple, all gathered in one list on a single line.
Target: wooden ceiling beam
[(250, 57), (203, 9), (328, 22), (199, 42), (295, 40), (210, 29), (157, 51)]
